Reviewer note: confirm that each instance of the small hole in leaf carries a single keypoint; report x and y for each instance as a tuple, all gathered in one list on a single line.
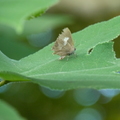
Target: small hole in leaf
[(90, 51)]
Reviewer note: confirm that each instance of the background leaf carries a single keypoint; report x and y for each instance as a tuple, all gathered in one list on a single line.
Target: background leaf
[(45, 22), (14, 13), (7, 112), (99, 69)]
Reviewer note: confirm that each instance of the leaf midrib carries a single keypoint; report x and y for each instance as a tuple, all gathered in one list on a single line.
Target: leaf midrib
[(76, 71)]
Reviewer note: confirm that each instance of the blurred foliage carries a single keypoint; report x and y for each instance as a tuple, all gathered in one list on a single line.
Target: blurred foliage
[(10, 112), (35, 102), (13, 13), (31, 100)]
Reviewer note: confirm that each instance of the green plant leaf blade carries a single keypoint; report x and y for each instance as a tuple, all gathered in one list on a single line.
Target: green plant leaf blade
[(82, 71), (96, 34), (97, 68)]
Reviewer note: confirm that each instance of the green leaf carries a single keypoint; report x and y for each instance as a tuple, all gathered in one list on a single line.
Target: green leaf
[(14, 13), (96, 69), (8, 113), (45, 22)]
